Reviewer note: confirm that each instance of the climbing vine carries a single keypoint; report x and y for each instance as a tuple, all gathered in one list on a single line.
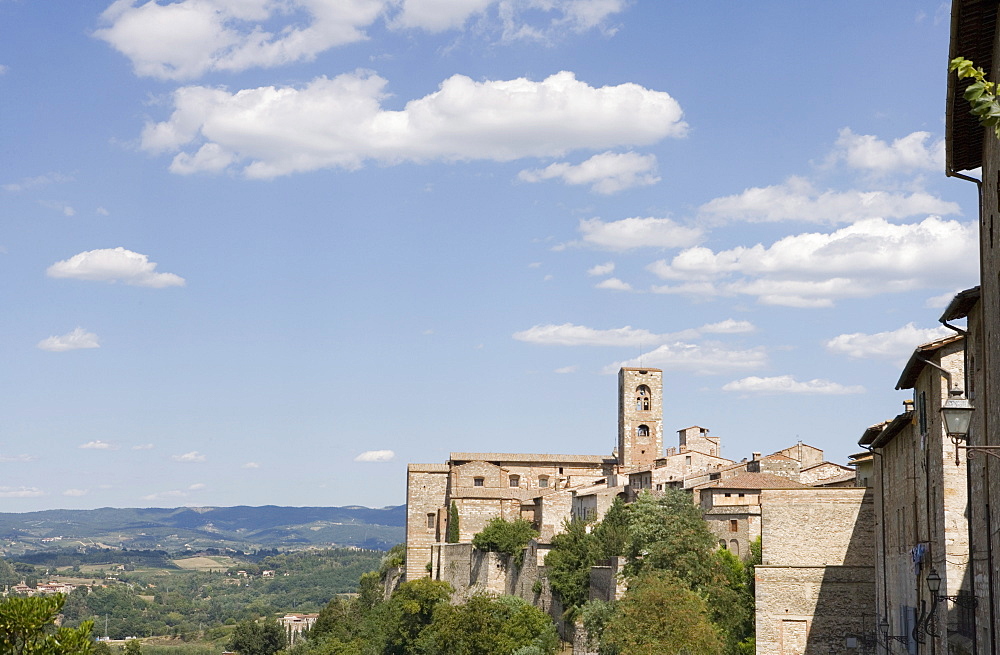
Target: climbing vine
[(981, 94)]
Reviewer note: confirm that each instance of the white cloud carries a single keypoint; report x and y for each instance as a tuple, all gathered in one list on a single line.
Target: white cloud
[(566, 369), (569, 334), (182, 40), (375, 456), (728, 326), (112, 265), (37, 181), (339, 123), (61, 207), (614, 284), (815, 269), (75, 340), (98, 445), (909, 153), (251, 465), (630, 233), (18, 458), (197, 486), (145, 446), (700, 359), (3, 69), (20, 492), (783, 384), (439, 15), (606, 173), (162, 495), (602, 269), (75, 493), (799, 200), (193, 456), (894, 345), (527, 19)]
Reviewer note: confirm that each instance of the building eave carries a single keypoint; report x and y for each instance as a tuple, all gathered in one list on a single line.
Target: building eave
[(973, 23)]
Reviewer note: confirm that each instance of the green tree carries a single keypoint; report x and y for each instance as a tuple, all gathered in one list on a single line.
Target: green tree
[(27, 628), (502, 536), (489, 625), (257, 638), (574, 551), (667, 533), (410, 610), (611, 533), (133, 647), (452, 533), (660, 614)]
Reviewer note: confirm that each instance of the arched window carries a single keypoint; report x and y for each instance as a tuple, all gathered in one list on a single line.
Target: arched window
[(642, 396), (722, 544), (734, 546), (515, 480), (642, 431)]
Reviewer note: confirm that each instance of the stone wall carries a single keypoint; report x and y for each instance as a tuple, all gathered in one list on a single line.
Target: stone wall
[(816, 585), (426, 489)]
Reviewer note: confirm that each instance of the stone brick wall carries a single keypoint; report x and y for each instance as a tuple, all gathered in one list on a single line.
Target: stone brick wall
[(426, 489), (816, 585), (633, 449)]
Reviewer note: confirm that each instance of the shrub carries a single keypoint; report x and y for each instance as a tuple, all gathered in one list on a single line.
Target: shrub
[(509, 537)]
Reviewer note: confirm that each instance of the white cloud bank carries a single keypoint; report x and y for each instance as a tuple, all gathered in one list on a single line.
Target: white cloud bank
[(375, 456), (75, 340), (340, 123), (606, 173), (20, 492), (98, 445), (569, 334), (787, 384), (631, 233), (191, 457), (699, 359), (814, 269), (894, 345), (188, 38), (799, 200), (114, 265), (75, 493), (909, 153), (23, 457)]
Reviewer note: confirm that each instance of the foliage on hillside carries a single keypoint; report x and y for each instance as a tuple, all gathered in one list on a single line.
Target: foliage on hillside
[(660, 536), (508, 537), (419, 620), (27, 627), (173, 602)]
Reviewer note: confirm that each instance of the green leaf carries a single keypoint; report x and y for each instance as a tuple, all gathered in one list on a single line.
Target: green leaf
[(974, 91)]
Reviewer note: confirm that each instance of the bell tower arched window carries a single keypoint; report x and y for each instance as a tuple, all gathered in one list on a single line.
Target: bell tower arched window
[(642, 431), (642, 398)]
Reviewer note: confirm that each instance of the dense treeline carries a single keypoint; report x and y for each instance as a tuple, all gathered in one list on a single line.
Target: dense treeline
[(196, 604), (683, 593)]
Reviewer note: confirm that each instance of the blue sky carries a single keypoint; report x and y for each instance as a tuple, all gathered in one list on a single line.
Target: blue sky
[(268, 252)]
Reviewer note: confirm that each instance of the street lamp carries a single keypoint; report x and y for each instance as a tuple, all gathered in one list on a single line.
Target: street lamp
[(957, 415), (934, 585), (883, 627)]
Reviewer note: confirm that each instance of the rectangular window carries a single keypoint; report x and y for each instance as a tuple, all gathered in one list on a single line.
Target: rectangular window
[(734, 525), (479, 482), (431, 521), (515, 481), (543, 482)]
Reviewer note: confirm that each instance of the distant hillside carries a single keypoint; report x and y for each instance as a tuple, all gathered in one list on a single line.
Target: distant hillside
[(244, 528)]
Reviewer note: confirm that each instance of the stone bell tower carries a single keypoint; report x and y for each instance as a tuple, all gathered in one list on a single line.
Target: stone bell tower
[(640, 416)]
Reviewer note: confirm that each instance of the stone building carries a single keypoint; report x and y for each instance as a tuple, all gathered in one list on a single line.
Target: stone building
[(536, 487), (732, 507), (815, 590), (976, 151), (921, 503)]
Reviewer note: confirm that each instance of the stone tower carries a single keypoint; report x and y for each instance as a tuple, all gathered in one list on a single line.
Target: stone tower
[(640, 416)]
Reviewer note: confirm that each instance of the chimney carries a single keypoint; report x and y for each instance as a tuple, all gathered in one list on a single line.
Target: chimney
[(908, 405), (756, 456)]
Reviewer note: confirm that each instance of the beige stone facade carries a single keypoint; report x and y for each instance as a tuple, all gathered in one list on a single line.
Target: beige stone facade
[(640, 416), (920, 485), (815, 588)]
